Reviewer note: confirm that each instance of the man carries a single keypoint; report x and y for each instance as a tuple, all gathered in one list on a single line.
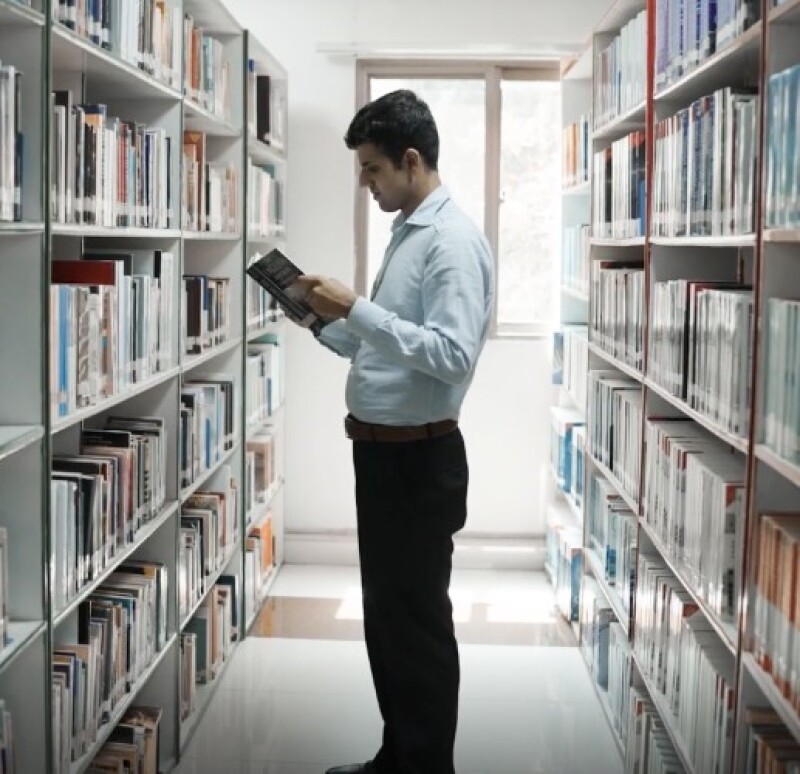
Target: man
[(413, 348)]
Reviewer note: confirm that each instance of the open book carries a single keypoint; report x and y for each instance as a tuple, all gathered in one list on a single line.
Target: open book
[(277, 274)]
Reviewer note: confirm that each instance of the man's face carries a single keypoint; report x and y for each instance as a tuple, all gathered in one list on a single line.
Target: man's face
[(390, 187)]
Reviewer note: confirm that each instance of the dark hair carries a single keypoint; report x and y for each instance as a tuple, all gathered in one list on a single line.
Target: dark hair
[(394, 123)]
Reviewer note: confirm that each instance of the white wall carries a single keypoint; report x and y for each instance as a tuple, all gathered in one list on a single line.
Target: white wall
[(505, 416)]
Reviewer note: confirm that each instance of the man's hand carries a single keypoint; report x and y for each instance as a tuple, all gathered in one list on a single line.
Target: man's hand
[(327, 296)]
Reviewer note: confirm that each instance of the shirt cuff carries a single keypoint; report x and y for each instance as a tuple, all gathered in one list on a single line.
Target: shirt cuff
[(365, 317)]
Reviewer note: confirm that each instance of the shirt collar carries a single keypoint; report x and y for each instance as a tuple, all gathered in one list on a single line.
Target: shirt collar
[(426, 212)]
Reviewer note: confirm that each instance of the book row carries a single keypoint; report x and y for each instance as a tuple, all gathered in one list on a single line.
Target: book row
[(208, 424), (565, 565), (565, 427), (261, 306), (133, 744), (571, 361), (576, 150), (264, 381), (649, 749), (783, 159), (120, 631), (619, 202), (143, 33), (694, 501), (614, 431), (688, 32), (107, 171), (102, 498), (11, 143), (705, 167), (701, 347), (260, 471), (206, 312), (620, 72), (618, 314), (687, 665), (608, 654), (775, 641), (265, 201), (110, 320), (259, 563), (782, 374), (576, 260), (612, 529), (210, 189), (206, 71), (770, 745), (209, 532), (266, 108)]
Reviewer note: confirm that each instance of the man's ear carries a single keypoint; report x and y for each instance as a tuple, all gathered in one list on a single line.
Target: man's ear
[(413, 159)]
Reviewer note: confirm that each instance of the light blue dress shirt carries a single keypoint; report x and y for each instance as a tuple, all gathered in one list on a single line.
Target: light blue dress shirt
[(413, 348)]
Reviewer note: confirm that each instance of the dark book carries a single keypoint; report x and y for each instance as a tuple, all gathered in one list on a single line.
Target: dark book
[(277, 275)]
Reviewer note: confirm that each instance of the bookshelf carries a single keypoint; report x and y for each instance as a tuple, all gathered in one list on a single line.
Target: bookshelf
[(564, 509), (738, 257), (133, 231)]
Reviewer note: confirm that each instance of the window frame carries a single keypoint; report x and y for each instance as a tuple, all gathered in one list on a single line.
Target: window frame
[(492, 73)]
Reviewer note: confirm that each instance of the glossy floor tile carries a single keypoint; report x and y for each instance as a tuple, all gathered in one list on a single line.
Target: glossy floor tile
[(297, 705)]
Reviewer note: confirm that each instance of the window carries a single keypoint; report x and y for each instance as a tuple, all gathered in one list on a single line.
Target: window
[(500, 158)]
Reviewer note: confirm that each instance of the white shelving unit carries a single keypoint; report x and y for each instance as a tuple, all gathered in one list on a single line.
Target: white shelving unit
[(52, 57)]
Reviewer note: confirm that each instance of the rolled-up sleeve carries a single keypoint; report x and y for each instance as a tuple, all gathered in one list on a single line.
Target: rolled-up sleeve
[(446, 345)]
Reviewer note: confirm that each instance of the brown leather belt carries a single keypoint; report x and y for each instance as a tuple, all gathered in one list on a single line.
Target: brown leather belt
[(356, 430)]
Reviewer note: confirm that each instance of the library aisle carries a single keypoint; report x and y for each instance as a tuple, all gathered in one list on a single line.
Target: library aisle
[(297, 697)]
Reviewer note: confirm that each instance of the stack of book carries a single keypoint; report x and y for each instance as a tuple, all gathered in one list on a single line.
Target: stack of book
[(575, 144), (206, 319), (107, 171), (618, 315), (701, 347), (619, 679), (144, 33), (207, 425), (210, 189), (265, 201), (596, 619), (266, 108), (649, 746), (213, 630), (705, 165), (694, 500), (11, 143), (261, 306), (259, 561), (111, 317), (619, 72), (614, 430), (264, 380), (770, 745), (783, 150), (563, 423), (776, 642), (133, 744), (102, 497), (688, 32), (686, 663), (206, 72), (119, 628), (618, 174), (612, 530), (782, 404), (576, 261), (260, 474)]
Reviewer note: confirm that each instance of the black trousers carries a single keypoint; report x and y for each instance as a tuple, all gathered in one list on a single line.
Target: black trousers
[(411, 499)]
